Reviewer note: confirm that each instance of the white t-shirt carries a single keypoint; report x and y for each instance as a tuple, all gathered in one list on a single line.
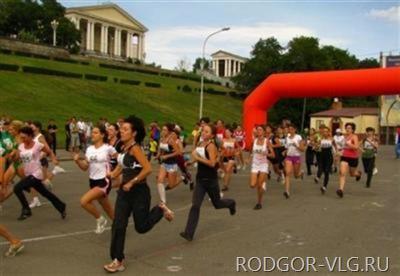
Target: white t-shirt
[(339, 141), (291, 145), (99, 160), (31, 160)]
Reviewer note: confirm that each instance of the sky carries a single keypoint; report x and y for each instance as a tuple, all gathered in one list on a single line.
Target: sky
[(177, 28)]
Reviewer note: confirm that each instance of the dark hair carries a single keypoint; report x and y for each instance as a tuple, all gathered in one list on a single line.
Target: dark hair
[(234, 125), (27, 130), (353, 126), (37, 124), (290, 125), (368, 129), (116, 129), (137, 125), (205, 119), (213, 129), (262, 126), (103, 131), (170, 126)]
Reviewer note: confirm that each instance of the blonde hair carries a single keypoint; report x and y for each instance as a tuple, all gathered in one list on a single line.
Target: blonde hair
[(17, 125)]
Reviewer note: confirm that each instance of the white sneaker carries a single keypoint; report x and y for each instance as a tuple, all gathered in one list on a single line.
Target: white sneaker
[(221, 195), (57, 169), (375, 171), (101, 225), (115, 266), (239, 167), (35, 203)]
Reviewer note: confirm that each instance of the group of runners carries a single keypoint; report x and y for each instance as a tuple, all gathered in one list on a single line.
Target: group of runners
[(116, 159)]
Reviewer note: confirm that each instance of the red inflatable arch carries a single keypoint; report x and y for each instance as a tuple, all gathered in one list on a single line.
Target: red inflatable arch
[(363, 82)]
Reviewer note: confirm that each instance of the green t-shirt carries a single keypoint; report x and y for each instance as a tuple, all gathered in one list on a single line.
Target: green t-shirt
[(7, 143)]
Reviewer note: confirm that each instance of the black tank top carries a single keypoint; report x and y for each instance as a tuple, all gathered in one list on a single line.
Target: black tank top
[(204, 171), (118, 148), (130, 166)]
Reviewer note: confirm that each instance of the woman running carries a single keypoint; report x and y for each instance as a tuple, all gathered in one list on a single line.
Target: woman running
[(168, 152), (114, 140), (326, 157), (349, 159), (97, 161), (180, 159), (10, 158), (278, 142), (229, 149), (133, 196), (240, 137), (339, 142), (206, 155), (30, 152), (310, 152), (16, 244), (369, 150), (294, 147), (261, 150)]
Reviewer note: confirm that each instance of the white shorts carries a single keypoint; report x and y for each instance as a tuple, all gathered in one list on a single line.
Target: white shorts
[(170, 167), (262, 168)]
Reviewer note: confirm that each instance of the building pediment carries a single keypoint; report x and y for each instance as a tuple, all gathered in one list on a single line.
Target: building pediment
[(224, 55), (109, 13)]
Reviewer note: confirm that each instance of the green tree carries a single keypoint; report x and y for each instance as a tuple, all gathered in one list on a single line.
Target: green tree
[(197, 64), (368, 63)]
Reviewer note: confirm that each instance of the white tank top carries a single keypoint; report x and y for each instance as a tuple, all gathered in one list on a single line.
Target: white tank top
[(260, 152), (326, 143), (36, 138)]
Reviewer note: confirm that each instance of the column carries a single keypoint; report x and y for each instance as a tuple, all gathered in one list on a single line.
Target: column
[(102, 39), (229, 67), (77, 23), (119, 42), (105, 47), (116, 42), (128, 44), (92, 34), (234, 68), (217, 67), (142, 48), (88, 36), (139, 47)]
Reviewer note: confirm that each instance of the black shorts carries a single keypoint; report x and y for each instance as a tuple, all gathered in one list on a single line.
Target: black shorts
[(104, 184), (44, 162), (353, 162)]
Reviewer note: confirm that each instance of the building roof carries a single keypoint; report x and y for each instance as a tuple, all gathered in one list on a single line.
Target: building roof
[(349, 112), (107, 6), (228, 54)]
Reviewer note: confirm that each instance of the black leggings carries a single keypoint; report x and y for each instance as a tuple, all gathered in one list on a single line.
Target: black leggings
[(325, 165), (136, 202), (369, 165), (32, 182), (310, 156), (203, 186)]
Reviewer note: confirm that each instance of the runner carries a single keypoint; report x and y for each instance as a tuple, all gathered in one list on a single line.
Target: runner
[(369, 149), (16, 245), (261, 150), (240, 137), (349, 159), (97, 160), (339, 142), (278, 142), (326, 158), (310, 152), (29, 152), (206, 181), (229, 149), (294, 147), (133, 196)]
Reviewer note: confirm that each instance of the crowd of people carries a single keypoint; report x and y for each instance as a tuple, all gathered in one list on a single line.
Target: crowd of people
[(119, 155)]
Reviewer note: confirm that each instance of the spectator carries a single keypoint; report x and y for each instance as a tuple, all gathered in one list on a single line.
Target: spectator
[(73, 126), (67, 134), (52, 131), (397, 142)]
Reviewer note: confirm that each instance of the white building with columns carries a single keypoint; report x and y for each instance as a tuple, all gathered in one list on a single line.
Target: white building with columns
[(226, 65), (108, 30)]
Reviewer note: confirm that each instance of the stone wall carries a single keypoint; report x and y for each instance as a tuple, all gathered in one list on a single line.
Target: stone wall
[(32, 48)]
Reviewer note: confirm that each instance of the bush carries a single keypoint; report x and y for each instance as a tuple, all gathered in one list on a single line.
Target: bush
[(45, 71), (40, 56), (9, 67), (95, 77), (152, 84), (26, 36), (186, 88), (6, 51), (178, 87), (66, 60), (115, 79), (130, 60), (22, 54), (84, 62), (131, 82)]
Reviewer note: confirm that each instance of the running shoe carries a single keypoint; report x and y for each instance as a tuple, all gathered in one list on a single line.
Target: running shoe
[(234, 169), (359, 177), (185, 236), (35, 203), (239, 167), (232, 209), (375, 171), (168, 214), (257, 207), (14, 249), (323, 190), (191, 186), (184, 179), (286, 195), (57, 170), (224, 189), (115, 266), (101, 225), (316, 179), (25, 214), (339, 192)]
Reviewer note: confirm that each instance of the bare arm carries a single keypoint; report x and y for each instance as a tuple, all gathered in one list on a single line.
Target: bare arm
[(82, 163), (212, 153), (146, 168)]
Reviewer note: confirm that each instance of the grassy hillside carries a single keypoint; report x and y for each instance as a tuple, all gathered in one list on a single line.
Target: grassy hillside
[(29, 96)]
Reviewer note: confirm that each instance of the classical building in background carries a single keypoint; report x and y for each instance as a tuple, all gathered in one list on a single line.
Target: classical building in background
[(226, 65), (108, 30)]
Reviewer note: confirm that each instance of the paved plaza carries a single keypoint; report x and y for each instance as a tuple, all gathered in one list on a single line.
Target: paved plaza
[(365, 223)]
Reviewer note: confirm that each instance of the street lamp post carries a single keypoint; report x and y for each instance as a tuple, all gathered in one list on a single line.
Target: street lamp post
[(202, 68), (54, 25)]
